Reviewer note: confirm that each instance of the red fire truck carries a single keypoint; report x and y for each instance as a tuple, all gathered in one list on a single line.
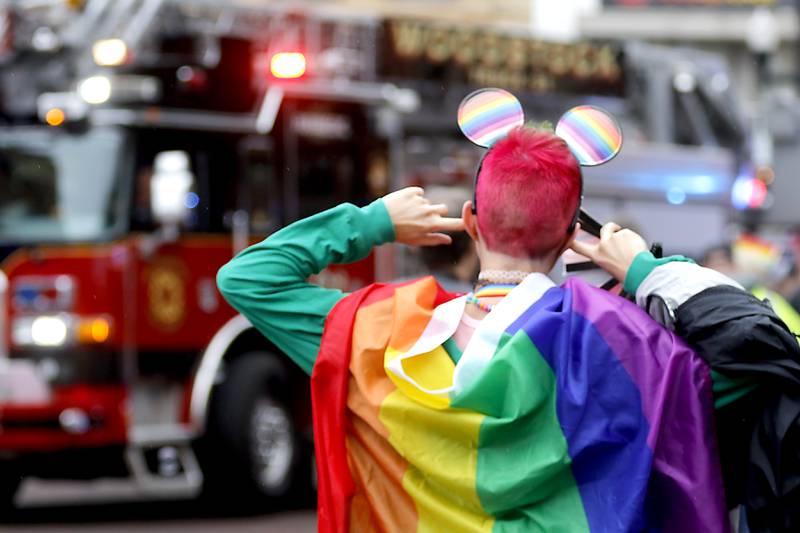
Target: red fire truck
[(154, 155), (143, 144)]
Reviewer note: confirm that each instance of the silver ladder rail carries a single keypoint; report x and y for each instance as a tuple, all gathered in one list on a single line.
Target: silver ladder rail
[(136, 21)]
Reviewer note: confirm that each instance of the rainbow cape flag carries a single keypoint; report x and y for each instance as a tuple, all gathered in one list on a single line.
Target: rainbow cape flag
[(569, 410)]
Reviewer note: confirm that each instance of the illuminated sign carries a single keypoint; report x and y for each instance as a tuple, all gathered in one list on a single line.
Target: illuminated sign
[(422, 50)]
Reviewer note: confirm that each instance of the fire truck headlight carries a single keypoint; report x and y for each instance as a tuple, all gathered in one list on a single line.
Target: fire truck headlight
[(95, 90), (55, 331), (74, 420), (110, 52), (48, 331)]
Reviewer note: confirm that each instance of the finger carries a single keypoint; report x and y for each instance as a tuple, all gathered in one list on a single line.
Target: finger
[(449, 224), (439, 209), (416, 191), (436, 239), (584, 249), (608, 230)]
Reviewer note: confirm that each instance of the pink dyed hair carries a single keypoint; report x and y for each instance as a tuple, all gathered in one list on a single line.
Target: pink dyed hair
[(527, 193)]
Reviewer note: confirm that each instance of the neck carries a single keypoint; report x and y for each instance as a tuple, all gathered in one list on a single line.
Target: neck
[(498, 261), (465, 269)]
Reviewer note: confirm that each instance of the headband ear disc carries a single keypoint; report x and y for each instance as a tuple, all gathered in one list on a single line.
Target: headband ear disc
[(487, 115), (592, 133)]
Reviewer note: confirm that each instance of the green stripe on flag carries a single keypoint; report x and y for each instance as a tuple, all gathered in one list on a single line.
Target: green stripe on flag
[(524, 476), (452, 349)]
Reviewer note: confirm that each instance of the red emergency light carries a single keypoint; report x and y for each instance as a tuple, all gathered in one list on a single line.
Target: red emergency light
[(748, 193), (288, 65)]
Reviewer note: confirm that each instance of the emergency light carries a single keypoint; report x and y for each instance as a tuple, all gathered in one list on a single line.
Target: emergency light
[(288, 65), (110, 52), (748, 193), (55, 116)]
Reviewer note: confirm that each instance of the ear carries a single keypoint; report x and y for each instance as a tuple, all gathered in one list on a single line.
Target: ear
[(487, 115), (571, 237), (470, 221), (568, 240), (592, 134)]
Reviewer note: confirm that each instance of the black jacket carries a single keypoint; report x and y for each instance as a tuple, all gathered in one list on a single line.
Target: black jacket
[(759, 434)]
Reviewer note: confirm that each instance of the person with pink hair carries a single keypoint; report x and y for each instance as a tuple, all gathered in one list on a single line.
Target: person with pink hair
[(523, 405)]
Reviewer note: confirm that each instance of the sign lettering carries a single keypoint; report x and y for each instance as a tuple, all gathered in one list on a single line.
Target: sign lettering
[(424, 50)]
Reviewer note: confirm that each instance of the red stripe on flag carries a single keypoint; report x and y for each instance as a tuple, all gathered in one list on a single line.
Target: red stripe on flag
[(329, 381)]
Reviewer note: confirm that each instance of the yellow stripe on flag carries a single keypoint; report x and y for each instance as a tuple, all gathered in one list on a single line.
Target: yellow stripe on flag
[(442, 443), (432, 370)]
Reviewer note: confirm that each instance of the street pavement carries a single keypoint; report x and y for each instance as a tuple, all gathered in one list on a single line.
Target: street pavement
[(115, 506)]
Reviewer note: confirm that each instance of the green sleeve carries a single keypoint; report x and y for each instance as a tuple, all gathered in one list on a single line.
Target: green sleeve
[(727, 389), (642, 265), (268, 282)]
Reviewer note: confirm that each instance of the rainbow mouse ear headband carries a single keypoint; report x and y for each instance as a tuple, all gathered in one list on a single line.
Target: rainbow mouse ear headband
[(592, 134)]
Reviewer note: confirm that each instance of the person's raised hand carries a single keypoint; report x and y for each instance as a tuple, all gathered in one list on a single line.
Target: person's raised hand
[(615, 250), (418, 222)]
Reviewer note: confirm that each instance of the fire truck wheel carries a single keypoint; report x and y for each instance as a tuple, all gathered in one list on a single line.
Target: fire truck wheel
[(9, 483), (251, 425)]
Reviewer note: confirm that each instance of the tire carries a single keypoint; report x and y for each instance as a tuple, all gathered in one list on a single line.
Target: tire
[(253, 454), (9, 483)]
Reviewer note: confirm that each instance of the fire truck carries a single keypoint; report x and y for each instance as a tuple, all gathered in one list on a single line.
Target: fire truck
[(145, 142)]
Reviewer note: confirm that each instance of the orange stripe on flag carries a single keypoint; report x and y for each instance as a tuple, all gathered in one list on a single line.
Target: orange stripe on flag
[(413, 307), (378, 473), (362, 478), (380, 502)]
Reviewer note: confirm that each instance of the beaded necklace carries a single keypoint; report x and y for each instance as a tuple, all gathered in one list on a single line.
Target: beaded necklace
[(502, 277), (494, 290)]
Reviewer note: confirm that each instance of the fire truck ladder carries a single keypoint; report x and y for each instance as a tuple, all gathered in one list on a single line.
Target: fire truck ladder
[(349, 57)]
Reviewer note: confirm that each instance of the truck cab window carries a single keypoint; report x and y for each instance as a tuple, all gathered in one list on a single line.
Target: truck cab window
[(326, 148), (59, 186)]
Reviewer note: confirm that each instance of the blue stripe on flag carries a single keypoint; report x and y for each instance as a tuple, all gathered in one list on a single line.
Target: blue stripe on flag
[(599, 409)]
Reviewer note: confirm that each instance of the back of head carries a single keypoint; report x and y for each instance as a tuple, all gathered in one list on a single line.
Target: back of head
[(719, 257), (527, 193)]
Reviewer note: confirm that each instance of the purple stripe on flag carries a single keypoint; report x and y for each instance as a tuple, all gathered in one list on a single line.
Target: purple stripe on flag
[(682, 437)]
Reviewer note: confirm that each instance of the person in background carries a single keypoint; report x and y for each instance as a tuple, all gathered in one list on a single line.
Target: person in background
[(566, 409), (749, 260), (455, 266), (789, 286), (793, 287), (748, 413), (720, 258)]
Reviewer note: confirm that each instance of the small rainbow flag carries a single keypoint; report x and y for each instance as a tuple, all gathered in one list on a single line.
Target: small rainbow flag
[(559, 415)]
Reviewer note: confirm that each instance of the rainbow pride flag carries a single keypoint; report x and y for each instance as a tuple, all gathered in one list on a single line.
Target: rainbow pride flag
[(559, 416)]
